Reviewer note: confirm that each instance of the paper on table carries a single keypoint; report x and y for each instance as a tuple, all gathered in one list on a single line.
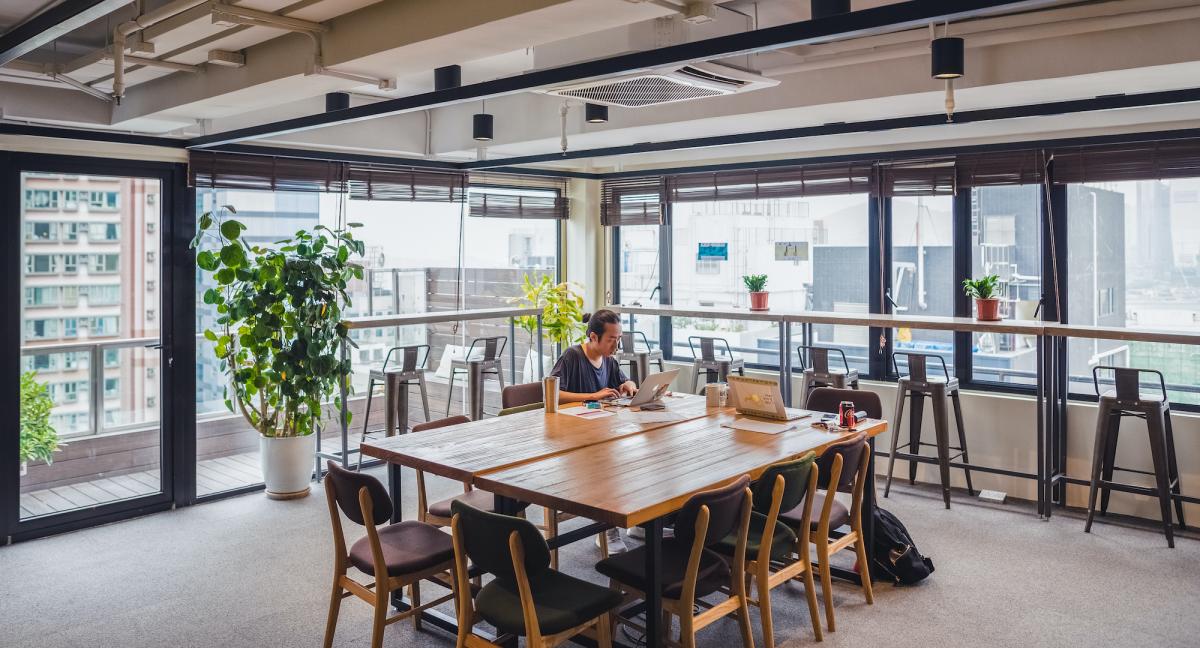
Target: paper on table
[(765, 427), (650, 417), (585, 412)]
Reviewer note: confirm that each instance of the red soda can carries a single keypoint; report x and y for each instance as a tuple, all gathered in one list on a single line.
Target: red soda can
[(846, 416)]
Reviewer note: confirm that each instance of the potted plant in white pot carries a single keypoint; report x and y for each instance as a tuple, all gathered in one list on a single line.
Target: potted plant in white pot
[(278, 333), (39, 439), (987, 303), (562, 316), (757, 285)]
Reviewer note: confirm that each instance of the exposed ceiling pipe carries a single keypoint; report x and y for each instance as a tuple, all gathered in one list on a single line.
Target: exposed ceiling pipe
[(81, 86), (126, 29), (1066, 26), (55, 73)]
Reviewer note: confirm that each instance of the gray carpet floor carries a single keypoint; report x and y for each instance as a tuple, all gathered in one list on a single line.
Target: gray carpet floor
[(251, 572)]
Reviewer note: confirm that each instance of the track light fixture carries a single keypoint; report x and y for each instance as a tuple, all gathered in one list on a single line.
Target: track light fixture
[(595, 113), (481, 125)]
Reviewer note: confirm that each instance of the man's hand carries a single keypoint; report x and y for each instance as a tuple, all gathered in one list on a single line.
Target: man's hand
[(605, 393), (628, 388)]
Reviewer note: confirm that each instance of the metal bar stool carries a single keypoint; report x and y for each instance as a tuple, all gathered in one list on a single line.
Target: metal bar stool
[(819, 374), (639, 361), (715, 366), (917, 385), (477, 368), (396, 380), (1126, 400)]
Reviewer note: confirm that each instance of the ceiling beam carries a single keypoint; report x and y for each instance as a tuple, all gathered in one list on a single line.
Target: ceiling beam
[(1112, 102), (878, 20), (52, 23)]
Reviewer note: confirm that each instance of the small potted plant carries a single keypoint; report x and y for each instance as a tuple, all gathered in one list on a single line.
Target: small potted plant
[(562, 316), (987, 304), (757, 284), (39, 439)]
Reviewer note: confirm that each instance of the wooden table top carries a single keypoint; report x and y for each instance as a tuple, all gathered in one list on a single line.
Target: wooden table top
[(463, 451)]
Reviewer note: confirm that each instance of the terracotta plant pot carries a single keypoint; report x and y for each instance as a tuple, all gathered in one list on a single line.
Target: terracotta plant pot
[(987, 310), (758, 300)]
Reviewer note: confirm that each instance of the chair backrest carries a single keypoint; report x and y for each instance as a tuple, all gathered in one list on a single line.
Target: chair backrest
[(724, 512), (485, 539), (819, 357), (518, 395), (346, 484), (437, 423), (918, 371), (850, 449), (827, 399), (493, 347), (410, 358), (521, 408), (628, 345), (1128, 381), (707, 346), (795, 483)]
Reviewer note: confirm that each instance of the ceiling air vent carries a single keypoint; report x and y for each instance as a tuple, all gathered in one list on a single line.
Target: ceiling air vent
[(654, 87)]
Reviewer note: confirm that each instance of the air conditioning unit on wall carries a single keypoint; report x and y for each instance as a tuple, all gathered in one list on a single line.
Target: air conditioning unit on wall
[(666, 85)]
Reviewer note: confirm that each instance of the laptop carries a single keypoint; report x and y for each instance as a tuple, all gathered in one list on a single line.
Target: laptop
[(653, 388), (762, 399)]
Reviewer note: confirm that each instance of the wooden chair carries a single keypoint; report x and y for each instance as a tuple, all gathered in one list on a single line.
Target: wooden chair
[(526, 597), (691, 569), (396, 555), (523, 398), (841, 468), (775, 554), (438, 513)]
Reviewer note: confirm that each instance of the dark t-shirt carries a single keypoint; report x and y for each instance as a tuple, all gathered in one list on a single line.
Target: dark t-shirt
[(577, 374)]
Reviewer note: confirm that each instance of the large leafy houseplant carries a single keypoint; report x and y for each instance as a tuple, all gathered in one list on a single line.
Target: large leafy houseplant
[(562, 311), (39, 439), (279, 325)]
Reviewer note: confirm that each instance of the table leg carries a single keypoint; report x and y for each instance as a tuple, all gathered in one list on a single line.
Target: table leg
[(1040, 399), (395, 490), (512, 348), (785, 362), (389, 401), (655, 633), (402, 406), (344, 390), (475, 389)]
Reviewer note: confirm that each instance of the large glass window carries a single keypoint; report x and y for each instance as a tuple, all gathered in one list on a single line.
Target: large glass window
[(1134, 262), (638, 267), (923, 281), (1006, 242), (813, 250)]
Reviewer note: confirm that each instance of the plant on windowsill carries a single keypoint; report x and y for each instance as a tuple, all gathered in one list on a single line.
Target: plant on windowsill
[(756, 284), (278, 335), (983, 291), (39, 439), (562, 315)]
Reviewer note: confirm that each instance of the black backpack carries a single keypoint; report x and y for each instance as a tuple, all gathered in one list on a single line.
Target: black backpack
[(896, 556)]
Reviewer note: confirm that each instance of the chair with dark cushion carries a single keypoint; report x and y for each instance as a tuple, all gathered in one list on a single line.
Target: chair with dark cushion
[(782, 487), (690, 567), (521, 395), (841, 468), (526, 598), (395, 555), (438, 513)]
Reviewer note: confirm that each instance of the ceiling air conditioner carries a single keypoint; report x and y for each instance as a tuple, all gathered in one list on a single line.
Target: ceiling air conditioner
[(665, 85)]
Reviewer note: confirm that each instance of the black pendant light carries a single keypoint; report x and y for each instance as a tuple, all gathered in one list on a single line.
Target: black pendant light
[(947, 56), (481, 126), (595, 113)]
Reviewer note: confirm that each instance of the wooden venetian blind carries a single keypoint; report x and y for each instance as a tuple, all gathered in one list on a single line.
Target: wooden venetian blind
[(1162, 159), (633, 201), (501, 195), (775, 182), (385, 182), (215, 170)]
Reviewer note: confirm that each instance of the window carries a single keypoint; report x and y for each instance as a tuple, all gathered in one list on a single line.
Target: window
[(41, 231), (813, 249), (39, 263), (71, 200), (104, 263), (1134, 262), (39, 362), (112, 387), (70, 295), (70, 327), (41, 329), (103, 231), (70, 231), (1006, 241), (106, 325), (103, 295), (923, 281), (150, 285), (150, 256), (70, 391), (41, 199), (70, 263), (112, 358), (102, 200), (48, 296)]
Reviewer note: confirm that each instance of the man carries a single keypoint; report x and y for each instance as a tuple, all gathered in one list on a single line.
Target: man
[(589, 371)]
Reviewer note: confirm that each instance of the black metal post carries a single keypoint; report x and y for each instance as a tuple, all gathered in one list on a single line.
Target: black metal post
[(654, 630)]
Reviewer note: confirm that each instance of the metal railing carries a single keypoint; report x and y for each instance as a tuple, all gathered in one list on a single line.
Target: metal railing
[(95, 354)]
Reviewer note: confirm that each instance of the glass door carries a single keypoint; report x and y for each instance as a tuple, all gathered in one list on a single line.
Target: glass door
[(91, 440)]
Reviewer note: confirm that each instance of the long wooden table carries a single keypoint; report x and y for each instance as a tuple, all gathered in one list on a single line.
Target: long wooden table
[(622, 470)]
